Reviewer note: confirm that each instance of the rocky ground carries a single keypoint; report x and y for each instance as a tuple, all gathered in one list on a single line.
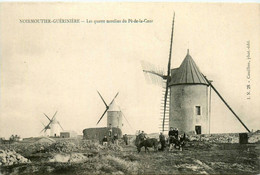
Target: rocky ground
[(85, 157), (10, 157)]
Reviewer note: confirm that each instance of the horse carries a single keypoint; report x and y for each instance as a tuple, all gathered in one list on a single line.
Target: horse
[(148, 142), (178, 143)]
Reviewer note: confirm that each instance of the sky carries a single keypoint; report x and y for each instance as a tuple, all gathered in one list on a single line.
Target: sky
[(49, 67)]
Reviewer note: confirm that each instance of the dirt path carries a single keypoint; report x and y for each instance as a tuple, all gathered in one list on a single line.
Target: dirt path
[(220, 158)]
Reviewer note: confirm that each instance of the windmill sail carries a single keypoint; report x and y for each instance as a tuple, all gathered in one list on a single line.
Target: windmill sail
[(47, 117), (102, 99), (107, 106), (153, 74), (166, 117), (156, 75), (102, 116), (60, 126), (168, 75)]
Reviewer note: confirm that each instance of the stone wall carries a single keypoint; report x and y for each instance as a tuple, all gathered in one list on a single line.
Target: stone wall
[(99, 133), (225, 138)]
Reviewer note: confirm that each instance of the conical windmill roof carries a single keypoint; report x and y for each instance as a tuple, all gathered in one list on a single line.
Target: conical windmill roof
[(114, 107), (187, 73)]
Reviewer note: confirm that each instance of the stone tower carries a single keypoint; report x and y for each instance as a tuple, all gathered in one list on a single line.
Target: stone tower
[(189, 98), (114, 116)]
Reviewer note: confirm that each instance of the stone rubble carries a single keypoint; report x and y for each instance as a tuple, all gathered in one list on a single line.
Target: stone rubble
[(72, 158), (215, 138), (65, 146), (10, 157), (253, 137)]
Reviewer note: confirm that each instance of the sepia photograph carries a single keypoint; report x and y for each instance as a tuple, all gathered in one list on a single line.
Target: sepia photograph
[(129, 88)]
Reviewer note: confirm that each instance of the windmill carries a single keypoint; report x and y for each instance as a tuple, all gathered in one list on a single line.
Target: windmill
[(114, 113), (53, 128), (188, 105)]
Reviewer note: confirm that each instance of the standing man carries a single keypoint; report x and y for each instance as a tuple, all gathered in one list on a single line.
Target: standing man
[(176, 133), (125, 138), (171, 133), (110, 130), (104, 141), (162, 141), (115, 139), (142, 136)]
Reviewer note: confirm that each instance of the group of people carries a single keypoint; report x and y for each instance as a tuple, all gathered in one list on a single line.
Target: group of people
[(173, 133), (114, 139)]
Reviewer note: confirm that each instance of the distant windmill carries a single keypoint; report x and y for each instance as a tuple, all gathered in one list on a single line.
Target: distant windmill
[(53, 128), (188, 107), (114, 113)]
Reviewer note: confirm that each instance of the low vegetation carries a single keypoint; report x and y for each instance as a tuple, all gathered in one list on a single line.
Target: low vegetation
[(89, 157)]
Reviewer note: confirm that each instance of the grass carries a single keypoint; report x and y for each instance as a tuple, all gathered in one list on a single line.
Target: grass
[(196, 158)]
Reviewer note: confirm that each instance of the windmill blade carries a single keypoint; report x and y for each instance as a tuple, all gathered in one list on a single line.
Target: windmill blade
[(107, 108), (168, 73), (47, 116), (43, 124), (48, 126), (113, 99), (54, 115), (43, 130), (153, 74), (61, 126), (164, 109), (102, 116), (102, 99)]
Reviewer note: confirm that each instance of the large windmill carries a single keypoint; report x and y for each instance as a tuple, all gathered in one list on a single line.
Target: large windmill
[(53, 128), (188, 105)]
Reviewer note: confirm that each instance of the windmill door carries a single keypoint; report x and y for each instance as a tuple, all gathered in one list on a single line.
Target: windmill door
[(198, 129)]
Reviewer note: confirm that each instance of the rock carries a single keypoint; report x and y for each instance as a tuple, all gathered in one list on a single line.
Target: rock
[(77, 158), (10, 163), (10, 157), (18, 157), (216, 138), (254, 137), (118, 172), (60, 158), (4, 161)]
